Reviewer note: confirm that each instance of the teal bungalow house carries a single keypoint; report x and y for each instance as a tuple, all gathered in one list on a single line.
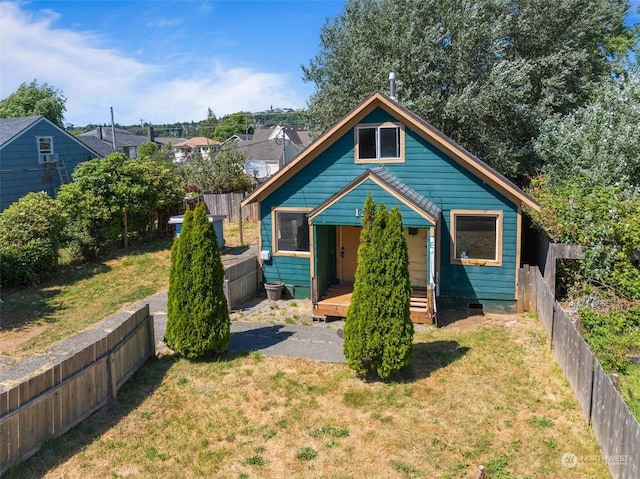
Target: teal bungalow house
[(462, 219)]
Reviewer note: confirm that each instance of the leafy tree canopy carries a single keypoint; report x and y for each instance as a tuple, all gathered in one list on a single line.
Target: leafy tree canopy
[(223, 173), (33, 99), (486, 73), (235, 124), (117, 195), (599, 142)]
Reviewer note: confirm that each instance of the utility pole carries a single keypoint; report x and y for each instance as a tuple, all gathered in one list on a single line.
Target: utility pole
[(113, 130)]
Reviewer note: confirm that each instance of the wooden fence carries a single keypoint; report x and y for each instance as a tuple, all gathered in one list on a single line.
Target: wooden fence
[(616, 428), (66, 392), (229, 204), (241, 281)]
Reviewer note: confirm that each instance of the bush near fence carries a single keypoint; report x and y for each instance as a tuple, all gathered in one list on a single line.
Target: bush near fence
[(88, 370), (616, 428)]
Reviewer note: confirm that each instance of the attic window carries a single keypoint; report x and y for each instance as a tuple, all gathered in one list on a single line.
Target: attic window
[(379, 143), (476, 237), (45, 148)]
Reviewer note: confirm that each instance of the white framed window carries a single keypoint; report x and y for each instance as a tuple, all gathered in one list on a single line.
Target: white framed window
[(476, 237), (379, 143), (291, 231), (45, 149)]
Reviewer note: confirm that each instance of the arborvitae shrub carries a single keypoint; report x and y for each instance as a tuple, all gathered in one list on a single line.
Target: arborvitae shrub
[(378, 328), (197, 313)]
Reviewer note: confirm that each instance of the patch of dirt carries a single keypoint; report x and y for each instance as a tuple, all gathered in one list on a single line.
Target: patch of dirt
[(294, 311), (470, 320), (11, 340)]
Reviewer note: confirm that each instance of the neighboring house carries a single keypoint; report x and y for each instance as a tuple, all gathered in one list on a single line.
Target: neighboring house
[(184, 150), (36, 155), (275, 147), (462, 219), (125, 142)]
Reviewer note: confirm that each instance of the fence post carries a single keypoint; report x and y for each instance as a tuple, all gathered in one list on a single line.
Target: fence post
[(111, 373), (152, 336), (226, 293)]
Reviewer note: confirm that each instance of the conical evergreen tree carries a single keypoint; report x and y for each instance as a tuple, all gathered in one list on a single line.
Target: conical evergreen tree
[(197, 313), (354, 335), (378, 328)]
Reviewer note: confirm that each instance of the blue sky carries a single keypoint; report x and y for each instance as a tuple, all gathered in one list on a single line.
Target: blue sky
[(165, 61)]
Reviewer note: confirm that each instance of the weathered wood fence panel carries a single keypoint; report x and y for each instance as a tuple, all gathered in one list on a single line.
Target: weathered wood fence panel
[(241, 281), (544, 305), (573, 355), (53, 401), (229, 204), (615, 427)]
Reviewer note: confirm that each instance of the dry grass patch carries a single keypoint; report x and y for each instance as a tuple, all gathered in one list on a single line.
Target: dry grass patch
[(81, 295), (490, 396)]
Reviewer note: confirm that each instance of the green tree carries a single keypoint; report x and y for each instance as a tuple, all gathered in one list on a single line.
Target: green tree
[(114, 197), (208, 126), (598, 142), (150, 151), (486, 73), (33, 99), (30, 236), (223, 173), (197, 312), (235, 124), (378, 328)]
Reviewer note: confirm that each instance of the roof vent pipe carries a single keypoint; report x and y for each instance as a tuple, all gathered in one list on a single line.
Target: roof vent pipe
[(392, 86)]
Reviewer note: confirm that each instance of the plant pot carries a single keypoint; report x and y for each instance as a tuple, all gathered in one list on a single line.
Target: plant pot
[(274, 290)]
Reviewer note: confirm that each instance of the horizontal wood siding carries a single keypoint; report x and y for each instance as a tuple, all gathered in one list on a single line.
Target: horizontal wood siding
[(343, 212), (428, 172), (20, 172)]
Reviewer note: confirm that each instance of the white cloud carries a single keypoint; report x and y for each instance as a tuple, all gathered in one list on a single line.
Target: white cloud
[(94, 77)]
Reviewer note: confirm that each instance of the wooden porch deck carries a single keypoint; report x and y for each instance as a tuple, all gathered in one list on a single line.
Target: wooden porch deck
[(335, 302)]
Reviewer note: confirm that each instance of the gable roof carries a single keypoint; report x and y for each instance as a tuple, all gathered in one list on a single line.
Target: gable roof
[(197, 141), (124, 138), (12, 128), (396, 188), (378, 100)]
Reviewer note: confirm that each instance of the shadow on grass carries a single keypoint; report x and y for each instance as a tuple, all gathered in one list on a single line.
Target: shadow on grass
[(140, 387), (429, 357), (25, 305)]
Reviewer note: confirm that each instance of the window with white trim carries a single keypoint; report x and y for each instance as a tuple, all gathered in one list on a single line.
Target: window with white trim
[(291, 231), (476, 237), (375, 143), (45, 148)]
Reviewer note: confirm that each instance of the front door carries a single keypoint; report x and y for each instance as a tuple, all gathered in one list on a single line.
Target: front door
[(348, 242)]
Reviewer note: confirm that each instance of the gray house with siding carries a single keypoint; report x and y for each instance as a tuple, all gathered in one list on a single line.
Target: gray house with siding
[(36, 155), (463, 220)]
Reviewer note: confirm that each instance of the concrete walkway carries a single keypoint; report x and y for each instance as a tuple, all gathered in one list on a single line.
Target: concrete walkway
[(318, 342)]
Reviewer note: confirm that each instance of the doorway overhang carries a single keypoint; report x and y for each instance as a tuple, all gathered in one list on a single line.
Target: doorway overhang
[(345, 207)]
